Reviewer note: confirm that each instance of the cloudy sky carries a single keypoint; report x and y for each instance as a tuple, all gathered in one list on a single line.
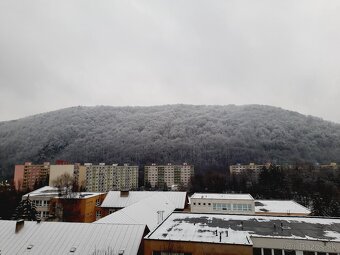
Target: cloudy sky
[(56, 54)]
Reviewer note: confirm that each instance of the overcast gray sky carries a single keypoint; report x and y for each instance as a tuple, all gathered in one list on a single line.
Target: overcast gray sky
[(56, 54)]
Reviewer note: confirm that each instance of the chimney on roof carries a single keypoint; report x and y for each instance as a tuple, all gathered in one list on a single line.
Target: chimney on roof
[(19, 225), (124, 193)]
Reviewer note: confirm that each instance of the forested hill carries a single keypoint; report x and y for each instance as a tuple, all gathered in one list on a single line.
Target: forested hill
[(210, 137)]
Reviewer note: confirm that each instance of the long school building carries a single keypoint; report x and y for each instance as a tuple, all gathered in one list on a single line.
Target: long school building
[(198, 234)]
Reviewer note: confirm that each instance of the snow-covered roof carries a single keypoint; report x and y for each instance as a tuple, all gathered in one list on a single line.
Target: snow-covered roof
[(49, 191), (60, 238), (147, 211), (239, 229), (280, 206), (44, 191), (114, 200), (223, 196)]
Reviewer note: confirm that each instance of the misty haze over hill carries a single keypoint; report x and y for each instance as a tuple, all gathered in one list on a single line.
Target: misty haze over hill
[(210, 137)]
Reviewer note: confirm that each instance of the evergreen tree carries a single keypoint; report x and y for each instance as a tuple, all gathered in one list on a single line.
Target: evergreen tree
[(26, 210)]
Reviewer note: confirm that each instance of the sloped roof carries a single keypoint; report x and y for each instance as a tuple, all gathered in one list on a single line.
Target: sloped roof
[(60, 238), (114, 200), (239, 229), (280, 206), (223, 196), (144, 212)]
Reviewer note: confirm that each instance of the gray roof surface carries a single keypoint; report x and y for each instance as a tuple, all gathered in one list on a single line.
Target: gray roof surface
[(114, 200), (238, 229), (60, 237)]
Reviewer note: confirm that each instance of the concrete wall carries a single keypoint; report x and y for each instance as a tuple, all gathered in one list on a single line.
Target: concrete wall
[(58, 170), (206, 205), (296, 244), (196, 248)]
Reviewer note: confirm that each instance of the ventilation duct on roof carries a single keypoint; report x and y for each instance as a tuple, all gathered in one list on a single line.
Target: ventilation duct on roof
[(19, 225)]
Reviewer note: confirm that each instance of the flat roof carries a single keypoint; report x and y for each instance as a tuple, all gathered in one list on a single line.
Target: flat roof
[(239, 229), (280, 206), (223, 196), (113, 199), (60, 237)]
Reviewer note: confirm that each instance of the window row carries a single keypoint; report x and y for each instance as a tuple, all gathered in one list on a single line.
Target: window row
[(232, 207)]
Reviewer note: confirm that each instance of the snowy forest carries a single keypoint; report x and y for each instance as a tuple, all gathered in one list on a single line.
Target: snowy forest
[(210, 137)]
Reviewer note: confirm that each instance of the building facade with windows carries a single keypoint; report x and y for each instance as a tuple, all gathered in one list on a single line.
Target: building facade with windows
[(41, 199), (166, 176), (103, 178), (222, 203)]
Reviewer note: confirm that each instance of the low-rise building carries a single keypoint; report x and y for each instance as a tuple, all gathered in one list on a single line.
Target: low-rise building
[(41, 198), (166, 176), (222, 203), (77, 207), (199, 234), (244, 204)]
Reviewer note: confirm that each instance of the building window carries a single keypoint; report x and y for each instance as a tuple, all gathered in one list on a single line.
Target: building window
[(291, 252), (279, 252), (267, 251), (257, 251)]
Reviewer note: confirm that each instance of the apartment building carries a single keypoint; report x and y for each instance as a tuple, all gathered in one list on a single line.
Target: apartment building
[(75, 171), (27, 176), (239, 168), (161, 176), (103, 178)]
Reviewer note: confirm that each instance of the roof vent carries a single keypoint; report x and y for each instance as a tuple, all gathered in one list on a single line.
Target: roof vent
[(19, 225), (29, 247), (120, 252), (73, 249), (124, 193)]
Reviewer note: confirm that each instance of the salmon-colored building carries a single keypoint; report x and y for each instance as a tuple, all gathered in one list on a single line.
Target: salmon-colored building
[(18, 176)]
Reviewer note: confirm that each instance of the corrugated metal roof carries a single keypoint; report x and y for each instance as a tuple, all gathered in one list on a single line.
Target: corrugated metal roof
[(59, 238), (222, 196), (144, 212), (114, 200)]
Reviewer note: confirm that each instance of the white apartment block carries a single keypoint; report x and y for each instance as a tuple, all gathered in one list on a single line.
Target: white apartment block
[(222, 203), (169, 175), (239, 168), (103, 178)]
